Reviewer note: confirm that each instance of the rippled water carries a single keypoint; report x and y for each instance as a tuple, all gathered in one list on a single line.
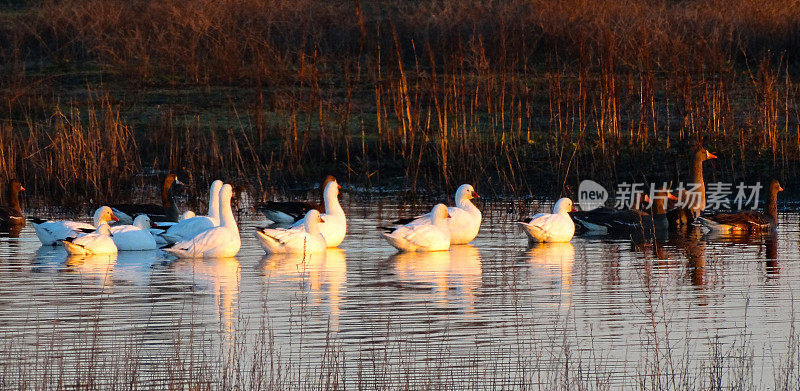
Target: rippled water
[(597, 311)]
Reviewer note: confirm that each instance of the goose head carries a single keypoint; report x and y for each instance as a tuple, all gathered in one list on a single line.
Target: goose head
[(775, 186), (103, 215), (466, 192), (186, 215), (439, 214), (331, 189), (312, 220), (563, 206), (702, 155), (142, 222)]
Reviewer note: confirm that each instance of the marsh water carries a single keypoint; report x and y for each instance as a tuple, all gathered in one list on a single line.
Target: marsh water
[(598, 311)]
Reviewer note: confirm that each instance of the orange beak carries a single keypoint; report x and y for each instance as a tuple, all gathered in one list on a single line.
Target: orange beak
[(114, 218), (646, 198), (711, 156), (672, 197), (338, 186), (448, 215), (780, 188), (475, 195), (22, 188)]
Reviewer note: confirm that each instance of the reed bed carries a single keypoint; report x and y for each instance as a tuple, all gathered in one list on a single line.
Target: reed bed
[(519, 97)]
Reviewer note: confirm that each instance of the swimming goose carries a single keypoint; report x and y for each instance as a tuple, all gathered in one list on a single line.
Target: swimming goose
[(50, 232), (167, 211), (292, 211), (307, 238), (596, 220), (685, 215), (136, 237), (465, 217), (639, 221), (430, 234), (334, 222), (747, 221), (11, 215), (218, 242), (95, 243), (553, 227), (190, 227)]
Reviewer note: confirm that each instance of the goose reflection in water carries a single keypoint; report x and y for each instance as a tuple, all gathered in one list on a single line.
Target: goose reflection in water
[(457, 270), (220, 276), (99, 267), (556, 257), (136, 267), (323, 274)]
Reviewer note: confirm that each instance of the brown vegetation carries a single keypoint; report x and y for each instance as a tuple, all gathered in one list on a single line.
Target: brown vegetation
[(519, 96)]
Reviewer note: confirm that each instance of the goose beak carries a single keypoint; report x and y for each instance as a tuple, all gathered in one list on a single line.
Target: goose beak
[(711, 155), (475, 195), (338, 186), (321, 219), (448, 215), (22, 188), (114, 218), (646, 198), (178, 181), (672, 197), (780, 188)]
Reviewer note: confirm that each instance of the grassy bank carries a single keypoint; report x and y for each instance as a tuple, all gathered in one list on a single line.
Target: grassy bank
[(519, 97)]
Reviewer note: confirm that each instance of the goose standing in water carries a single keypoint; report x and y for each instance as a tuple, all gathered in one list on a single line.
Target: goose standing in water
[(95, 243), (11, 214), (429, 234), (685, 215), (334, 223), (167, 211), (465, 218), (291, 211), (553, 227), (305, 239), (51, 232), (747, 221), (218, 242)]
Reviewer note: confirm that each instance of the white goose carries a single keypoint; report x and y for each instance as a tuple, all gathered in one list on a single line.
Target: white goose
[(334, 223), (430, 234), (218, 242), (465, 217), (192, 226), (98, 242), (51, 232), (136, 237), (307, 238), (551, 227)]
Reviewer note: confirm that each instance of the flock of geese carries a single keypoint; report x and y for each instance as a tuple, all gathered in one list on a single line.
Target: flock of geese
[(309, 228)]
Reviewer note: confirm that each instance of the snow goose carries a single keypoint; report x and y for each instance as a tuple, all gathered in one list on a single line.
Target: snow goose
[(685, 215), (51, 232), (747, 221), (465, 218), (136, 237), (551, 227), (307, 238), (167, 211), (11, 214), (430, 234), (98, 242), (334, 223), (192, 226), (292, 211), (218, 242)]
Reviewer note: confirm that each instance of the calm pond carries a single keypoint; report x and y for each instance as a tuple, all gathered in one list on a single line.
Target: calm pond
[(599, 312)]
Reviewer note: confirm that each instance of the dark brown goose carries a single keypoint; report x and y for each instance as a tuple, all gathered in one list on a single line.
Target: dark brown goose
[(684, 216), (291, 211), (11, 214), (635, 220), (747, 221), (597, 220), (167, 211)]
